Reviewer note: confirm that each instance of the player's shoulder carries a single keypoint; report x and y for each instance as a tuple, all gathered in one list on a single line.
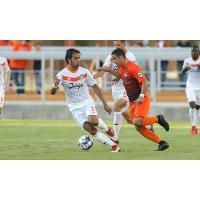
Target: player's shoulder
[(2, 60), (188, 59)]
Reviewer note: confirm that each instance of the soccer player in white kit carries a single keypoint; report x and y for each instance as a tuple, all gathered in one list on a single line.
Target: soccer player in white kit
[(4, 80), (121, 101), (192, 66), (75, 81)]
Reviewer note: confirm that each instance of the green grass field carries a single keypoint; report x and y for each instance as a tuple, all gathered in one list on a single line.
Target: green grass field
[(57, 140)]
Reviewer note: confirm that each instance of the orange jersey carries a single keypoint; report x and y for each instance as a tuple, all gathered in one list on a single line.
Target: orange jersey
[(132, 78)]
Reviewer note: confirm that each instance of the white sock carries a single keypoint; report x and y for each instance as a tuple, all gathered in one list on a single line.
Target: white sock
[(198, 115), (102, 125), (117, 122), (193, 116), (148, 126), (103, 139)]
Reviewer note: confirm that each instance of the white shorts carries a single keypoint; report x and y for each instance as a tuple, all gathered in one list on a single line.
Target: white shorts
[(120, 93), (80, 115), (193, 95), (2, 96)]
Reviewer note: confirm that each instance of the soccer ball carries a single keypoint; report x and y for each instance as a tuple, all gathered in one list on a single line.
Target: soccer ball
[(85, 142)]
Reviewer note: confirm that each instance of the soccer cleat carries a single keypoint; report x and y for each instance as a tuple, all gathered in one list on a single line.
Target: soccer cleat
[(116, 148), (163, 122), (163, 145), (110, 132), (194, 130)]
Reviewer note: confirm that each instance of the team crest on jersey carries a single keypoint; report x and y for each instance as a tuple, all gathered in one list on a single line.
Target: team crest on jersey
[(125, 75), (140, 74)]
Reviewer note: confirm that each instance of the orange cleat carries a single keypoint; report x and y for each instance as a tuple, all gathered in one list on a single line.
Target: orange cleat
[(110, 132), (116, 148), (194, 130)]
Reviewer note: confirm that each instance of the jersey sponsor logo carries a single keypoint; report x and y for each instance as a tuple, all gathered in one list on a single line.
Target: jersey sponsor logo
[(74, 86), (140, 74)]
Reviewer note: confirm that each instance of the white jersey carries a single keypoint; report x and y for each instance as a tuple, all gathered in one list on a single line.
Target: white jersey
[(193, 81), (75, 85), (4, 68)]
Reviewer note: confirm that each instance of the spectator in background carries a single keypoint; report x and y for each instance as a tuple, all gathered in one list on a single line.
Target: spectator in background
[(37, 70), (182, 77), (164, 63), (6, 42), (19, 66)]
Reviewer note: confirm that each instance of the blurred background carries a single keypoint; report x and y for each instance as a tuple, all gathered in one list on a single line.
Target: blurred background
[(35, 63)]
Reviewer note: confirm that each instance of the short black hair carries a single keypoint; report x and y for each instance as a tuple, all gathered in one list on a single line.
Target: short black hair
[(195, 46), (119, 52), (69, 54)]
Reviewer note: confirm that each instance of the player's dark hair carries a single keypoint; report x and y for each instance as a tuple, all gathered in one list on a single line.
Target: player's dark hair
[(69, 54), (119, 52), (196, 47)]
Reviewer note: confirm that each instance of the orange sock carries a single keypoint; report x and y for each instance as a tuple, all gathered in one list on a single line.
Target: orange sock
[(149, 120), (149, 135)]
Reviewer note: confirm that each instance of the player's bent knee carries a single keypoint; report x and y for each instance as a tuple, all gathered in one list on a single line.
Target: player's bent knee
[(138, 128), (94, 121), (137, 122), (192, 104), (89, 128), (119, 105)]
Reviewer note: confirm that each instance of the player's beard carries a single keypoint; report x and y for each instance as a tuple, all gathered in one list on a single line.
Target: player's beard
[(75, 67)]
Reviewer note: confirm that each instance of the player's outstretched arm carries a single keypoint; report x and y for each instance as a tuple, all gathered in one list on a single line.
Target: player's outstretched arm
[(55, 87), (98, 74), (99, 93), (109, 70)]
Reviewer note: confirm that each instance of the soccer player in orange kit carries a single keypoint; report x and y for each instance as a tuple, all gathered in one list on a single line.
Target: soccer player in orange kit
[(136, 87)]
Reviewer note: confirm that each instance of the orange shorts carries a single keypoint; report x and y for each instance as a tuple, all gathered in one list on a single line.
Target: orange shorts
[(140, 111)]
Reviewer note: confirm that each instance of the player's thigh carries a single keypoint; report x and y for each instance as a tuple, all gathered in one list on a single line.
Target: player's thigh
[(126, 116), (198, 97), (2, 97), (121, 101), (142, 110), (91, 113), (191, 95), (131, 110), (79, 117)]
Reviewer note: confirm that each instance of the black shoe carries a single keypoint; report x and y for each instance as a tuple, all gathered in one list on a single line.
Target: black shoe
[(163, 145), (163, 122)]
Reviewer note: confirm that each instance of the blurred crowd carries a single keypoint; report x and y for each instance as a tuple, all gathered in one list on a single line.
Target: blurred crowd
[(19, 67)]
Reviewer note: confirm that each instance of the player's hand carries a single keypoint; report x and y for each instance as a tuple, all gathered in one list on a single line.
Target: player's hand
[(6, 86), (107, 109), (140, 100), (56, 82), (115, 81)]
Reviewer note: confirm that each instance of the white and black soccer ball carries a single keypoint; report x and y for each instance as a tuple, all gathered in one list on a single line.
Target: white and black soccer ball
[(85, 142)]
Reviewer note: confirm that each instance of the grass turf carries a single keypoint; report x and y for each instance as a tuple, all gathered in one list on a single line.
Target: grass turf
[(57, 140)]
